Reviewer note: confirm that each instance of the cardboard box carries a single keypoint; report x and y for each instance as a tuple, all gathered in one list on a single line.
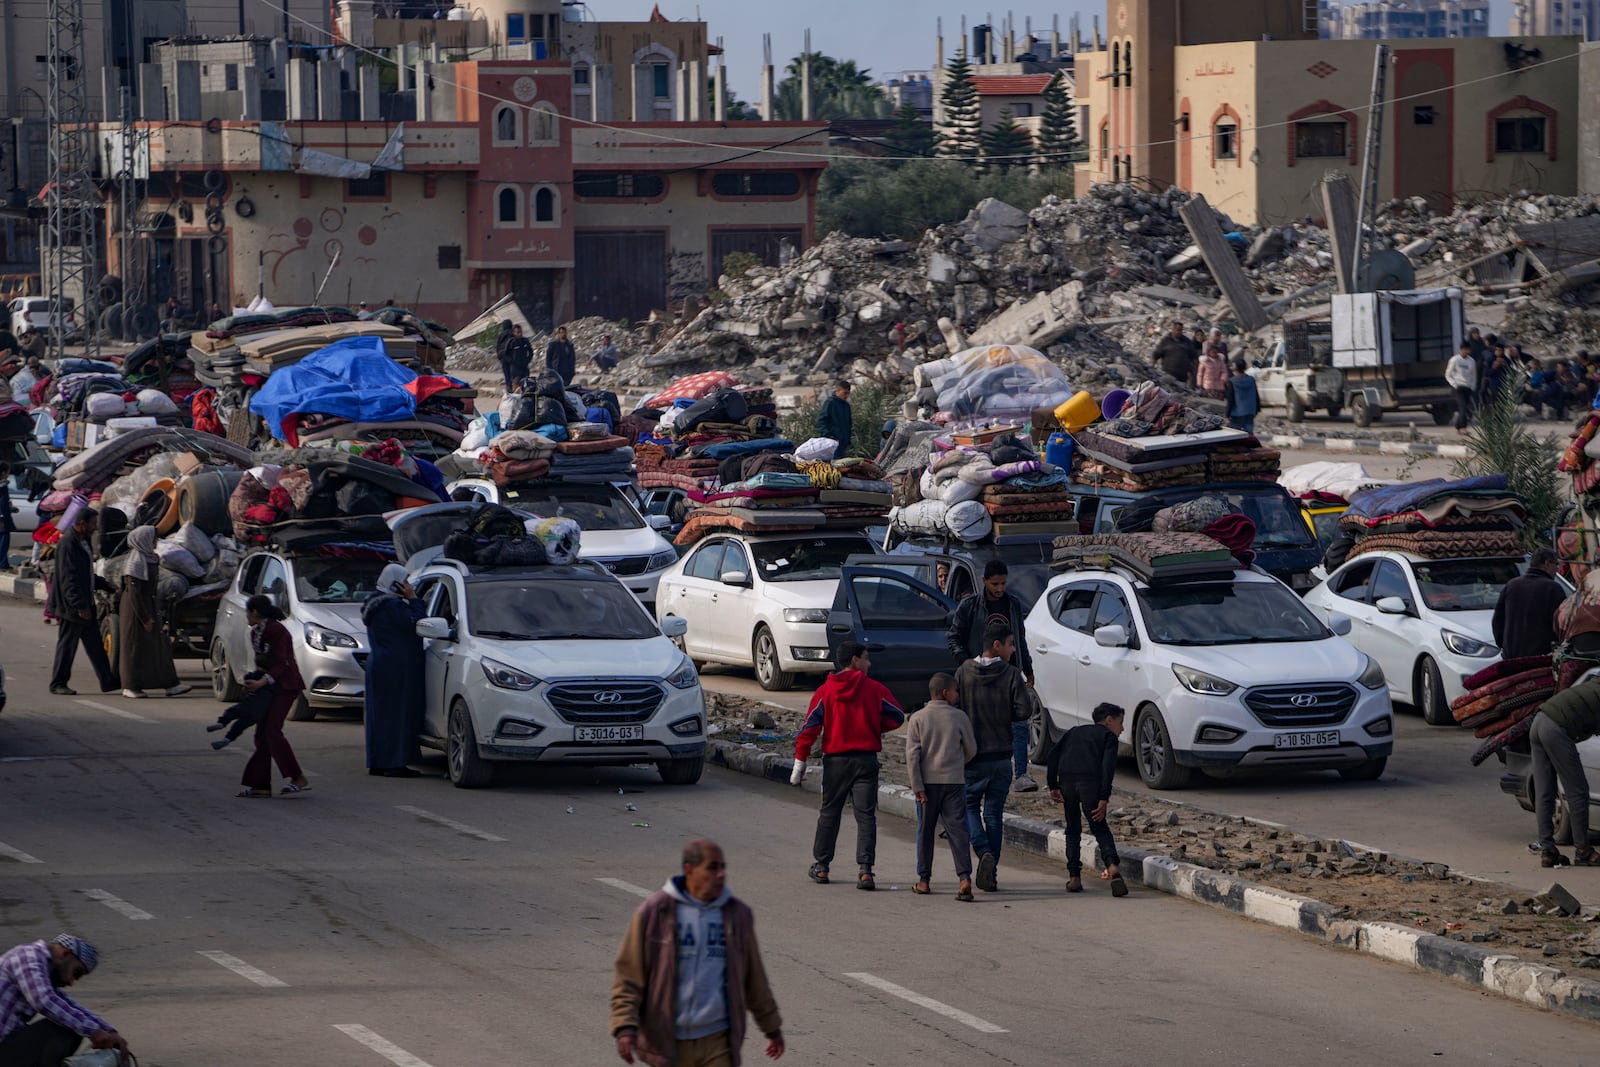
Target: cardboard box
[(187, 462)]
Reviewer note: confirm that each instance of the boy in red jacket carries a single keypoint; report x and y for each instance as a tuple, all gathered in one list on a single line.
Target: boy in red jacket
[(851, 712)]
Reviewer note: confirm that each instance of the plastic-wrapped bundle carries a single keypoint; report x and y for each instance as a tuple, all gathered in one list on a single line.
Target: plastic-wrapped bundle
[(1000, 381), (126, 492)]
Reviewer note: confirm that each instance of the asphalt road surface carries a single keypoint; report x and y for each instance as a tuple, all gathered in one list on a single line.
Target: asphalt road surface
[(384, 921)]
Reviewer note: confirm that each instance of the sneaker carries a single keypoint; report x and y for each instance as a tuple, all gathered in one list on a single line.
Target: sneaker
[(1024, 785), (133, 694), (179, 689), (986, 872), (221, 742), (1075, 884), (212, 728), (62, 691)]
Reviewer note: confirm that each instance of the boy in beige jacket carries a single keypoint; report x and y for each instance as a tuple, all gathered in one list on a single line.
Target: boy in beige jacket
[(939, 742)]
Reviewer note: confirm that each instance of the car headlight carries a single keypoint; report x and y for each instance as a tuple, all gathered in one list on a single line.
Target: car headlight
[(685, 677), (504, 676), (1462, 645), (1200, 682), (321, 638), (1372, 675), (805, 614), (662, 560)]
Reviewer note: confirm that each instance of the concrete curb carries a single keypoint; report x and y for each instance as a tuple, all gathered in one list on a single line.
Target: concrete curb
[(1367, 444), (1473, 965), (22, 588)]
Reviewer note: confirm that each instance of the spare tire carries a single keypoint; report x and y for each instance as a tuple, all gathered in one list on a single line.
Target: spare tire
[(111, 322), (203, 500), (110, 290), (215, 223), (158, 507), (214, 179), (141, 323)]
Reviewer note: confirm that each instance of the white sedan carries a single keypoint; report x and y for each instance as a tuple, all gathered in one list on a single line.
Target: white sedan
[(1426, 622)]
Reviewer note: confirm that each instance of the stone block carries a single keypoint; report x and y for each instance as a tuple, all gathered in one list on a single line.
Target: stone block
[(1036, 323)]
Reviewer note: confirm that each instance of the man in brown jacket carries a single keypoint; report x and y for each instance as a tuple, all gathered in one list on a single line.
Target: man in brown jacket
[(688, 970)]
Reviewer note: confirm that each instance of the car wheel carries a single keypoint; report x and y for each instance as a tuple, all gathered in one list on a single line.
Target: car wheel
[(302, 710), (769, 672), (1429, 694), (1365, 772), (467, 769), (685, 771), (1563, 828), (1296, 406), (1152, 751), (224, 686), (1361, 411), (110, 640)]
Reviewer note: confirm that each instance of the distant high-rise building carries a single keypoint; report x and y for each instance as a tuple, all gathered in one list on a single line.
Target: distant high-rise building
[(1391, 20), (1547, 18)]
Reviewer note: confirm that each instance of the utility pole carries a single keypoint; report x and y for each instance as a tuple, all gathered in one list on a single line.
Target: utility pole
[(1367, 207), (70, 239), (128, 176)]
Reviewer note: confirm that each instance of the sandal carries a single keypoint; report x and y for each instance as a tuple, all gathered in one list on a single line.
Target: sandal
[(1586, 857), (818, 874), (251, 794), (1075, 884), (964, 890), (866, 881), (1552, 857), (291, 789), (921, 889)]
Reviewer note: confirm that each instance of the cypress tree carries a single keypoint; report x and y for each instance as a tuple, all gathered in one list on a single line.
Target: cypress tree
[(1006, 143), (1058, 129), (961, 132)]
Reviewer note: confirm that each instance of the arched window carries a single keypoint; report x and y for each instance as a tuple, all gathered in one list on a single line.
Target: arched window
[(1116, 64), (1127, 64), (544, 205), (542, 129), (505, 125), (507, 207)]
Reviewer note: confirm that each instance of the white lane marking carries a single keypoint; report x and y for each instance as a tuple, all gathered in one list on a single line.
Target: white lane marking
[(17, 854), (117, 904), (927, 1002), (244, 970), (383, 1047), (118, 712), (626, 887), (458, 827)]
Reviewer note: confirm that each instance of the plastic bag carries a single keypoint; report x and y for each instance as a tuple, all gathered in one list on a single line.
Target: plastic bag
[(1004, 381), (174, 557), (155, 402)]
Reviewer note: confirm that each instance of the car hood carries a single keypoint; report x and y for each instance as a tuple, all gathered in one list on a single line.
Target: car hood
[(816, 594), (1333, 659), (1479, 624), (346, 618), (651, 657), (605, 544)]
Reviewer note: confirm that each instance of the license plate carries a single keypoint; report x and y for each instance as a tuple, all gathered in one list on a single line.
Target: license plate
[(610, 733), (1313, 739)]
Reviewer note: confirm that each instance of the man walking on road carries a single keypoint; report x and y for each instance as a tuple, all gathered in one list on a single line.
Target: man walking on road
[(995, 698), (1461, 374), (1081, 770), (939, 743), (1176, 355), (966, 639), (561, 357), (1524, 620), (851, 712), (688, 970), (518, 360), (72, 601), (30, 976), (1570, 716)]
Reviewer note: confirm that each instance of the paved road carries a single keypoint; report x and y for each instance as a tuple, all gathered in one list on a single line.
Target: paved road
[(378, 921)]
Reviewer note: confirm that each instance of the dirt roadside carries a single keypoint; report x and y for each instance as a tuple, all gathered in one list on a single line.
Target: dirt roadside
[(1369, 886)]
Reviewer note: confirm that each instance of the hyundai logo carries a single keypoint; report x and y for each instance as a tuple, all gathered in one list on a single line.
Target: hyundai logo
[(1303, 700), (608, 696)]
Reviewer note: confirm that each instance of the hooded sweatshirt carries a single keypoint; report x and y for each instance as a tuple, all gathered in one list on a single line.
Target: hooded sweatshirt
[(852, 713), (994, 695), (702, 962)]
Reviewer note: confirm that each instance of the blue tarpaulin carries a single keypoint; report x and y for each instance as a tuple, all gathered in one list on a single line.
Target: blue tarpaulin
[(353, 379)]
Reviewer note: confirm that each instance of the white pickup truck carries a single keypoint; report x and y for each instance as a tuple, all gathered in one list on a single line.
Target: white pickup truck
[(1296, 372)]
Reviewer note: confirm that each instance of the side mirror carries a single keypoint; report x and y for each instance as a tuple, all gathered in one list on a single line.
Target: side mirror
[(674, 626), (434, 630), (1339, 624), (658, 522), (1111, 637), (1393, 605), (735, 578)]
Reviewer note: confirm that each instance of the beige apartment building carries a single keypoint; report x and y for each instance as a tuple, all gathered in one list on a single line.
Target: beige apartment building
[(1547, 18)]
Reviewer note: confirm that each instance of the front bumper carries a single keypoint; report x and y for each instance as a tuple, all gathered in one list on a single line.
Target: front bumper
[(1188, 714), (643, 586), (556, 740), (336, 678), (795, 640)]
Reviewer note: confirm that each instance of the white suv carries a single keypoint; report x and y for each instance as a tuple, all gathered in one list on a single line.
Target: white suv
[(552, 665), (1215, 673)]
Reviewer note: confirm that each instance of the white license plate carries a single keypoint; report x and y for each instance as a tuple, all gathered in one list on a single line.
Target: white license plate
[(611, 733), (1313, 739)]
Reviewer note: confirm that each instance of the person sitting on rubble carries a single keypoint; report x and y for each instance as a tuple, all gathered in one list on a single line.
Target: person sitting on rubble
[(608, 357), (1556, 391)]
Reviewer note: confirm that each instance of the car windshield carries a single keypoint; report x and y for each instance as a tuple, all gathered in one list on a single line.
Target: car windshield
[(1278, 517), (530, 608), (1464, 584), (594, 507), (336, 581), (1227, 613), (805, 559)]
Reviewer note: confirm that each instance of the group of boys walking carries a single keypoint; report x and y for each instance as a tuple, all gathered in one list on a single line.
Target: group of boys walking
[(959, 755)]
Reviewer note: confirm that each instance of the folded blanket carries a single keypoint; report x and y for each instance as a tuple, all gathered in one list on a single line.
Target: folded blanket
[(1504, 669), (584, 448), (1511, 736), (1509, 721)]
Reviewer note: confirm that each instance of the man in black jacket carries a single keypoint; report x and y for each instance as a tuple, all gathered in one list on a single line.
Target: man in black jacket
[(835, 420), (502, 341), (996, 699), (1524, 620), (965, 636), (1177, 356), (72, 601), (561, 357), (519, 357), (1079, 777)]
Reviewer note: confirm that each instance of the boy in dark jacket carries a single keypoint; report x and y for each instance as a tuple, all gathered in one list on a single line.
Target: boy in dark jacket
[(965, 637), (851, 713), (1079, 778), (994, 695)]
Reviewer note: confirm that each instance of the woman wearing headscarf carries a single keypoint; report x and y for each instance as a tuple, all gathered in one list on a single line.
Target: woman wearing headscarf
[(144, 653), (394, 675), (274, 652)]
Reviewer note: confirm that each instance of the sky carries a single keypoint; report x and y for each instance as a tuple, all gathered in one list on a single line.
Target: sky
[(886, 36)]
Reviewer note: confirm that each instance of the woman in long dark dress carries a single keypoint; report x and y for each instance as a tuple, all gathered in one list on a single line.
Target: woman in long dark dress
[(274, 651), (144, 653), (394, 692)]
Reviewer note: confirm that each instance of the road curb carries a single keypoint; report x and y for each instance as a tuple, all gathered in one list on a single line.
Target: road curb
[(23, 588), (1367, 444), (1468, 964)]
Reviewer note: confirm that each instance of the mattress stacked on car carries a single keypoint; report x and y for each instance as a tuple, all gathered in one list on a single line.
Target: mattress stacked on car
[(971, 492), (1152, 556), (778, 494), (1437, 519)]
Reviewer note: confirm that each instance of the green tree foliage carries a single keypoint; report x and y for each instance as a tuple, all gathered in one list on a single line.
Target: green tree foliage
[(1058, 129), (1499, 442), (911, 138), (871, 405), (737, 110), (873, 198), (839, 90), (1007, 144), (961, 132)]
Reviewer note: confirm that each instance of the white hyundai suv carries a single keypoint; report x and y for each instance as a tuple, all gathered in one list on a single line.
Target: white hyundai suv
[(1216, 674)]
